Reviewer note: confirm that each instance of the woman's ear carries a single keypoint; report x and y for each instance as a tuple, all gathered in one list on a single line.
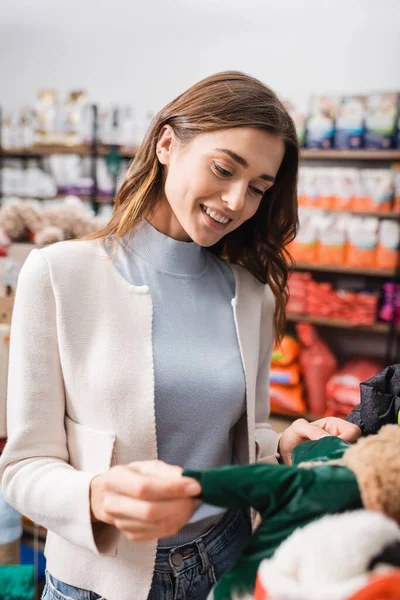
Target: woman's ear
[(165, 144)]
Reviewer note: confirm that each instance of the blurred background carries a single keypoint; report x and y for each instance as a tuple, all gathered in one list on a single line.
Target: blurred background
[(80, 83)]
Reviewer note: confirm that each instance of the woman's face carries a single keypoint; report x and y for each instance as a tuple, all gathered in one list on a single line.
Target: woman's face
[(216, 182)]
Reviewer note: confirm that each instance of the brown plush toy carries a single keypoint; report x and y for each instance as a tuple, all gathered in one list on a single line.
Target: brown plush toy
[(23, 221), (375, 461)]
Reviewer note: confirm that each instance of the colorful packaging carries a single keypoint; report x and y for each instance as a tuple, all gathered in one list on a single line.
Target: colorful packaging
[(287, 399), (388, 245), (381, 120), (320, 128), (343, 388), (303, 247), (299, 121), (379, 189), (285, 375), (349, 189), (391, 302), (307, 190), (318, 364), (350, 122), (46, 117), (286, 352), (362, 238), (396, 205), (331, 244)]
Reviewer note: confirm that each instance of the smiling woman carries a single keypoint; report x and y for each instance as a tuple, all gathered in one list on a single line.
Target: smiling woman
[(161, 362), (228, 146)]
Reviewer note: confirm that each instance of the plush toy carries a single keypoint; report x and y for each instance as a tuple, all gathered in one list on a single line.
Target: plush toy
[(23, 221), (331, 558), (380, 401), (327, 476)]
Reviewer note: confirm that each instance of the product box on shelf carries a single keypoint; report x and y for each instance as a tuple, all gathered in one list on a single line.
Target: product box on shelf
[(350, 122), (381, 120), (320, 130)]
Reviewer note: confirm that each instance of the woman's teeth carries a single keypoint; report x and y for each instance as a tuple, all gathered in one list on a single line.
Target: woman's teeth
[(216, 216)]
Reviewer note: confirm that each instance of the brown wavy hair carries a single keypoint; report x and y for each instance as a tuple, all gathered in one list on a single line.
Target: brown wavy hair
[(223, 101)]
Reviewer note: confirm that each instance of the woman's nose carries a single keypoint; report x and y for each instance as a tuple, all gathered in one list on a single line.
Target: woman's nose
[(235, 196)]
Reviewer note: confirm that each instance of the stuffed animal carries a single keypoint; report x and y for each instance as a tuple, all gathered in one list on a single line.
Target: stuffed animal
[(331, 558), (23, 221), (328, 476)]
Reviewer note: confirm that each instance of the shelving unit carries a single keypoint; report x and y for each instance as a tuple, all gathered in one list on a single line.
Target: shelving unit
[(381, 273), (92, 151), (379, 155), (387, 333), (338, 324)]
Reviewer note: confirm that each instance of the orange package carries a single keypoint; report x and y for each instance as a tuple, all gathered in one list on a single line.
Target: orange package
[(362, 237), (285, 375), (302, 251), (287, 399), (318, 365), (388, 245), (330, 254), (286, 352), (396, 205), (379, 189), (343, 388)]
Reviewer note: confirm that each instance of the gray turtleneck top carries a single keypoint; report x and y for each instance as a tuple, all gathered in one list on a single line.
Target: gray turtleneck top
[(198, 371)]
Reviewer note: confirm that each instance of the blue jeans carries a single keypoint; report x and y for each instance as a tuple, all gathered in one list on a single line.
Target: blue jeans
[(185, 572)]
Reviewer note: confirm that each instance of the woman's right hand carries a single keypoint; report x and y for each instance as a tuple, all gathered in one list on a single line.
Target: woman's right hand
[(145, 500)]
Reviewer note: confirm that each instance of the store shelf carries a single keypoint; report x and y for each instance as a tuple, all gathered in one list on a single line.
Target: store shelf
[(35, 151), (83, 197), (293, 417), (82, 150), (339, 324), (357, 213), (86, 150), (386, 155), (300, 266)]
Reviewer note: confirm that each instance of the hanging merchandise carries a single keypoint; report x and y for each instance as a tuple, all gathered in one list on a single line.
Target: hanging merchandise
[(318, 364)]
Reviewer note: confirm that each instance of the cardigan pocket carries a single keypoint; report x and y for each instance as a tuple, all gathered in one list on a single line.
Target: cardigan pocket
[(90, 450)]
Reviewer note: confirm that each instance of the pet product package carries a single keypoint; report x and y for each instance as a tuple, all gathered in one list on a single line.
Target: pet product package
[(378, 187), (381, 120), (350, 122), (321, 123)]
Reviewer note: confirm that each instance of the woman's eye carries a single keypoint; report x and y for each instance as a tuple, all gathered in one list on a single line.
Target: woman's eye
[(220, 170), (256, 191)]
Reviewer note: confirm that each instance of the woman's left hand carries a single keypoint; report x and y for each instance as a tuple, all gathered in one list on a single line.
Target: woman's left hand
[(302, 431)]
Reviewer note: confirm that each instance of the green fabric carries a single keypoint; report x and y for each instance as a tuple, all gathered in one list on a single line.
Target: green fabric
[(17, 582), (286, 497)]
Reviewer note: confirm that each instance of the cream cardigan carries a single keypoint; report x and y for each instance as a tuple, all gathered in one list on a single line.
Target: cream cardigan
[(81, 399)]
